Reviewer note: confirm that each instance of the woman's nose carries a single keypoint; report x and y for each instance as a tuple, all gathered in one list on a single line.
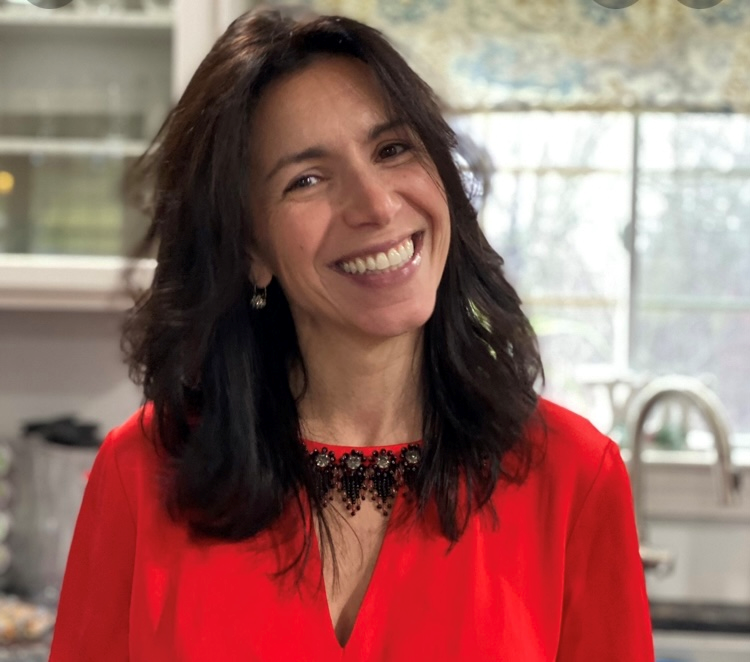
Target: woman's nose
[(369, 198)]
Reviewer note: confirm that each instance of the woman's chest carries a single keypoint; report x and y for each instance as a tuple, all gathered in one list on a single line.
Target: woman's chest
[(496, 594)]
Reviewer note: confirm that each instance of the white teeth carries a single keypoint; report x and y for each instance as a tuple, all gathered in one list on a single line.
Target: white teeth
[(395, 258)]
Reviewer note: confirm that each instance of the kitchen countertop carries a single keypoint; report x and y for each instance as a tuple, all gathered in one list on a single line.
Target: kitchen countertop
[(705, 617), (27, 651)]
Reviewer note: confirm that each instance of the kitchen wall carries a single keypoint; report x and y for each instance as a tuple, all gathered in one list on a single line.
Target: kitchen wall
[(53, 363)]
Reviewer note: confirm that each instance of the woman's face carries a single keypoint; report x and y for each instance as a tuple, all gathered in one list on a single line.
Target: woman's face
[(349, 214)]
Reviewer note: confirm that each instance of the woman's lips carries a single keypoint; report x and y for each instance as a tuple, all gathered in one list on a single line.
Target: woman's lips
[(395, 257), (391, 275), (383, 247)]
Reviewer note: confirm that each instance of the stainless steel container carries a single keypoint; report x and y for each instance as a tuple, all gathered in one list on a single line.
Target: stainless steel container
[(48, 481)]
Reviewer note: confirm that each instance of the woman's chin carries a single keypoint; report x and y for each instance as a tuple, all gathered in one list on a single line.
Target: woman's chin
[(389, 324)]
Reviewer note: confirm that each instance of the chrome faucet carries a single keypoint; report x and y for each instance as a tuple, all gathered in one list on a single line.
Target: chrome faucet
[(703, 399)]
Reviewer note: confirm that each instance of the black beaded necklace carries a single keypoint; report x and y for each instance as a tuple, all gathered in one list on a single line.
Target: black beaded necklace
[(354, 476)]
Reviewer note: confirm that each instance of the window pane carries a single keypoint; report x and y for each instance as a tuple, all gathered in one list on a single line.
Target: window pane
[(692, 248), (693, 236), (715, 142), (561, 235), (557, 211), (711, 345)]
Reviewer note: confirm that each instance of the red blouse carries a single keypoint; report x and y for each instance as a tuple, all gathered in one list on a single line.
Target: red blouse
[(559, 577)]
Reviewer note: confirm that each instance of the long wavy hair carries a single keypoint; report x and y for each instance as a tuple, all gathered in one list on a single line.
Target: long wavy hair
[(217, 371)]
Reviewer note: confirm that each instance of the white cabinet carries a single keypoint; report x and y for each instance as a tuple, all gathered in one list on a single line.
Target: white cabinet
[(83, 89)]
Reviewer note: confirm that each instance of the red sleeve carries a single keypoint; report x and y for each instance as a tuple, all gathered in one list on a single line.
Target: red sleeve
[(93, 614), (605, 607)]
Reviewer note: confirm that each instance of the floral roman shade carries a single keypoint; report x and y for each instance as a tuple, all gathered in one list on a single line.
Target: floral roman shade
[(568, 54)]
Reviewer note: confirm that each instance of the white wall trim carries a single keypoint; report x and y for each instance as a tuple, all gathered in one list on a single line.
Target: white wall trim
[(67, 283)]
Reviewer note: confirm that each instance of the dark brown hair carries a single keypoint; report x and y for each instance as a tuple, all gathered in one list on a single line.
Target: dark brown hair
[(217, 370)]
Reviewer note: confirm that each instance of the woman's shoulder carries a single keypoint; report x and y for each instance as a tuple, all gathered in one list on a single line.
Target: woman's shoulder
[(129, 464), (572, 465), (570, 444), (567, 428), (132, 445)]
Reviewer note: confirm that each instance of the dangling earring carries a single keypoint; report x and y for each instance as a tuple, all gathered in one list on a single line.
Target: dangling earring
[(258, 300)]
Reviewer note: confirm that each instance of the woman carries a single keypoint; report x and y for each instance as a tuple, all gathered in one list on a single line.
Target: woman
[(342, 454)]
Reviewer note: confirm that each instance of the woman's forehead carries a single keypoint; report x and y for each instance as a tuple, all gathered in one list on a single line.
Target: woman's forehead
[(331, 101), (327, 94)]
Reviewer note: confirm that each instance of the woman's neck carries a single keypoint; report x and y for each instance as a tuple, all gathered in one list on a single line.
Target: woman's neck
[(361, 392)]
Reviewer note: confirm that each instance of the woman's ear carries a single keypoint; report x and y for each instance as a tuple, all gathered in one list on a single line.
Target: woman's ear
[(260, 270)]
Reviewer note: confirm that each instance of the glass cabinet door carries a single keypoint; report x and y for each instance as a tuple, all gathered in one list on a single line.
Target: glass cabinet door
[(84, 88)]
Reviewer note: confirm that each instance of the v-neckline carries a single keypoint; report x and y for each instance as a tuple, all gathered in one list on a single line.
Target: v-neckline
[(369, 590), (373, 581)]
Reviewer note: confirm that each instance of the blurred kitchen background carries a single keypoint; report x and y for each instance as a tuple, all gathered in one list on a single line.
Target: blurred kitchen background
[(609, 152)]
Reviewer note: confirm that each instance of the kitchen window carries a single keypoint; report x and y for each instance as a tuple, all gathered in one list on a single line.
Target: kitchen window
[(627, 236)]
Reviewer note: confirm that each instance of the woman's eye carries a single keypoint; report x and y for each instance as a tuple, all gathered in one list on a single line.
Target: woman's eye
[(302, 183), (393, 150)]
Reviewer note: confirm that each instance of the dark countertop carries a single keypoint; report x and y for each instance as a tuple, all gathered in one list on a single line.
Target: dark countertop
[(706, 617), (26, 651)]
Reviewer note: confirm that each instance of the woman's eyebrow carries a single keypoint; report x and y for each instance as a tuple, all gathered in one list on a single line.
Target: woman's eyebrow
[(383, 127), (318, 151), (314, 152)]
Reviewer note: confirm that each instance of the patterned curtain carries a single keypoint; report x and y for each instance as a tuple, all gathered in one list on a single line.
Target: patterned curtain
[(568, 54)]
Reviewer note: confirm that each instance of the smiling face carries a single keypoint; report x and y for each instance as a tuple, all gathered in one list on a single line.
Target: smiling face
[(348, 211)]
